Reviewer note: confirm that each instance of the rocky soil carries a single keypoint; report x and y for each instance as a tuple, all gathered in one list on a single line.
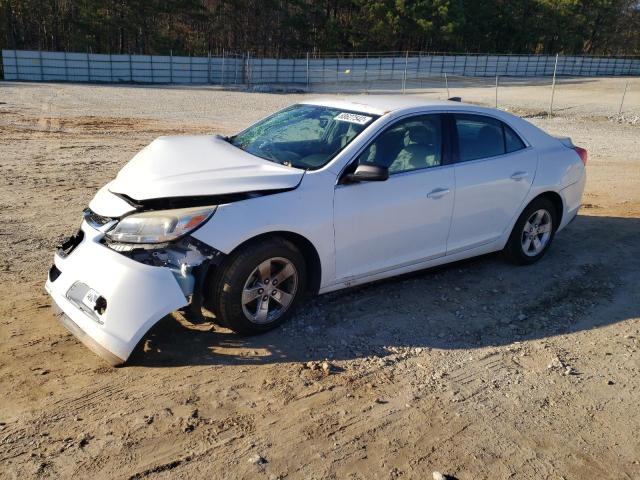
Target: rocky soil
[(479, 370)]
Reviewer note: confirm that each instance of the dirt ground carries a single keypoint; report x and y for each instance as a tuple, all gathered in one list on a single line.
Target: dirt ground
[(480, 370)]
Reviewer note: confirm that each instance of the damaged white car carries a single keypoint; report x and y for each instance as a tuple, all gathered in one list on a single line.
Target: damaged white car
[(319, 196)]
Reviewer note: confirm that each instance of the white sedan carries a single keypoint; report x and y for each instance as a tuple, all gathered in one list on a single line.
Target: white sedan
[(317, 197)]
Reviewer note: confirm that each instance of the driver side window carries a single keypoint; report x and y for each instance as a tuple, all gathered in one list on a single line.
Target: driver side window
[(411, 144)]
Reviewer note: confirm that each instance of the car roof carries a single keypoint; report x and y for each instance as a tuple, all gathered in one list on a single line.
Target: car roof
[(399, 104), (382, 104)]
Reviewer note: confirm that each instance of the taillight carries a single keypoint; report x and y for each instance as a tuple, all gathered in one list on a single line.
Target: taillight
[(582, 153)]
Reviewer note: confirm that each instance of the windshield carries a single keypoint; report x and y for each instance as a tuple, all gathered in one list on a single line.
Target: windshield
[(303, 136)]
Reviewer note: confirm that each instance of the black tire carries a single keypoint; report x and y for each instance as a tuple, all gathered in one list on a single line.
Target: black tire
[(514, 249), (227, 288)]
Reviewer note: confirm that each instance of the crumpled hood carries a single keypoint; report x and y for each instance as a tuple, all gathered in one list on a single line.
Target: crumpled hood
[(188, 166)]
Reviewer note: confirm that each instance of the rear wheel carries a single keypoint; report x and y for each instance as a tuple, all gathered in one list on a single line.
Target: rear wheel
[(259, 286), (533, 232)]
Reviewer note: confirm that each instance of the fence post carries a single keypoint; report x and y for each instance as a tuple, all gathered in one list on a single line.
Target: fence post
[(222, 70), (496, 91), (430, 66), (393, 69), (130, 70), (41, 70), (170, 66), (245, 69), (15, 55), (248, 69), (190, 69), (553, 86), (110, 69), (307, 71), (446, 84), (352, 71), (153, 80), (88, 66), (626, 85), (404, 75), (209, 67), (366, 68)]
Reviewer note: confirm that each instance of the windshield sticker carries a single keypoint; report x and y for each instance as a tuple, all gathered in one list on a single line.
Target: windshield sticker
[(353, 118)]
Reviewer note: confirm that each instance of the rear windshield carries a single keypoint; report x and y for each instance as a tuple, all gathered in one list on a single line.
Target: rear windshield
[(303, 136)]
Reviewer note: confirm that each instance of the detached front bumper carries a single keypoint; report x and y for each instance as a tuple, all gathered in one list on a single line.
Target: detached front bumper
[(107, 300)]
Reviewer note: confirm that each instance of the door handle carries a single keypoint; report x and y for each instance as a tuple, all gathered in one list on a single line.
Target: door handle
[(519, 176), (438, 193)]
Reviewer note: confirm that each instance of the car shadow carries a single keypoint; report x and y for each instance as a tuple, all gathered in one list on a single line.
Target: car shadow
[(590, 278)]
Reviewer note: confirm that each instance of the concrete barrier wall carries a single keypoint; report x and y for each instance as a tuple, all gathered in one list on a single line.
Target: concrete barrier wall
[(89, 67), (241, 69)]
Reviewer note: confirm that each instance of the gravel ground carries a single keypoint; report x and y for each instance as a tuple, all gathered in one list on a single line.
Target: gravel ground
[(477, 370)]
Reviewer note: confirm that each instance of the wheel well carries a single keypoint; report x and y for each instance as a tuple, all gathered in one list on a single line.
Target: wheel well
[(556, 199), (307, 249)]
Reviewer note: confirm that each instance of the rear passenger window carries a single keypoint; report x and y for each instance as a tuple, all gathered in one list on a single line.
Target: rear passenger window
[(483, 137), (512, 140), (479, 137)]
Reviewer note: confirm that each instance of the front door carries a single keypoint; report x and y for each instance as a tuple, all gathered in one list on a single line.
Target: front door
[(404, 220)]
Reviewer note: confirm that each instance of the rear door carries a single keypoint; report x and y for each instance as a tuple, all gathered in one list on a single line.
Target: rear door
[(494, 170)]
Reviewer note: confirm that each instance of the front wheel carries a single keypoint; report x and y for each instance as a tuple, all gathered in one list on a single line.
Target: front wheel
[(259, 286), (533, 232)]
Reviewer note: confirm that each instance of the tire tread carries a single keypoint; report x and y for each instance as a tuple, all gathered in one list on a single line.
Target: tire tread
[(513, 249), (227, 284)]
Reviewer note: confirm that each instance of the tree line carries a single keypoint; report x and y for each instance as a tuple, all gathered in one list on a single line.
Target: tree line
[(291, 27)]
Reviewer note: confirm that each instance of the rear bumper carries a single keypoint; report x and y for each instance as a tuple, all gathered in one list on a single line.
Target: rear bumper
[(136, 295), (572, 200)]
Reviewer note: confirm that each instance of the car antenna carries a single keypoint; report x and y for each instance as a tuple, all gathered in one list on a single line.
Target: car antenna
[(455, 99)]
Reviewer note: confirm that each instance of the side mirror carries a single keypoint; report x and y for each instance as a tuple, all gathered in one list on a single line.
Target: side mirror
[(369, 173)]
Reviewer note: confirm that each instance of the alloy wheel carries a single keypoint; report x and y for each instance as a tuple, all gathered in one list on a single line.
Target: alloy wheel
[(269, 290), (536, 233)]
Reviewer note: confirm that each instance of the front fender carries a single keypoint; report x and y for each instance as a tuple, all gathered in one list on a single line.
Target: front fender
[(306, 211)]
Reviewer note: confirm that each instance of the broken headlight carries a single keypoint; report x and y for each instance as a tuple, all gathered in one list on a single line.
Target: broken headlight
[(159, 226)]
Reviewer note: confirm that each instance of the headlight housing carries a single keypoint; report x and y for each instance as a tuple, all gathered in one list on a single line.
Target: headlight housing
[(159, 226)]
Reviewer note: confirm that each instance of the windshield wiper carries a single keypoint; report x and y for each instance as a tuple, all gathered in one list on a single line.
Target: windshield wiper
[(287, 163)]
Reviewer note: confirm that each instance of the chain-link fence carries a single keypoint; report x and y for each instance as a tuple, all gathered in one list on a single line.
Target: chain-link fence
[(536, 96), (495, 80), (392, 71)]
